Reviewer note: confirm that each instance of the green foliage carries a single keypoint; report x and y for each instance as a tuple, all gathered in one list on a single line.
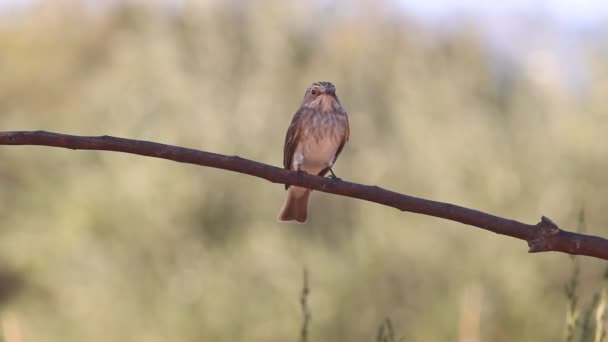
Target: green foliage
[(100, 246)]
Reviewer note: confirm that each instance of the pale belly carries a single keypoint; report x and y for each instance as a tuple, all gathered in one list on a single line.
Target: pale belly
[(313, 155)]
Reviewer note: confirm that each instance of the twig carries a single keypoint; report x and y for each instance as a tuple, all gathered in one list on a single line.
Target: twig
[(304, 304), (541, 237)]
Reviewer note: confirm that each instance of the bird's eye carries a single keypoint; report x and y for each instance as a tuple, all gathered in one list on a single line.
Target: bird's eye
[(314, 92)]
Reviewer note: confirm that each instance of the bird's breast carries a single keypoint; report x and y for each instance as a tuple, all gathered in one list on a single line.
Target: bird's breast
[(321, 136)]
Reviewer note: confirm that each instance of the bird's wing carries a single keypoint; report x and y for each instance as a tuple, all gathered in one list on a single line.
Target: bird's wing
[(291, 139)]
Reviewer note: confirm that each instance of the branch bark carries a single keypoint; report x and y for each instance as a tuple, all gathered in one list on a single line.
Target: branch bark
[(541, 237)]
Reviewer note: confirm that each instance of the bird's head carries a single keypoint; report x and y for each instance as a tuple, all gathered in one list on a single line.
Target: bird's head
[(321, 95)]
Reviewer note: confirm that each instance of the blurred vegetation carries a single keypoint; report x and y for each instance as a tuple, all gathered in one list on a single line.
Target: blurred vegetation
[(99, 246), (586, 323)]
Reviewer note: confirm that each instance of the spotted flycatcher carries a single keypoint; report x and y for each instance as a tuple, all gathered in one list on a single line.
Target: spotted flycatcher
[(315, 138)]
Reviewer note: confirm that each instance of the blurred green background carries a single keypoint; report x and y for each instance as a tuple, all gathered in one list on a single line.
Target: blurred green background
[(100, 246)]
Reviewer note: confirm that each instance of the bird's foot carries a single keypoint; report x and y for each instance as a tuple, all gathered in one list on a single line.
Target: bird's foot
[(333, 175)]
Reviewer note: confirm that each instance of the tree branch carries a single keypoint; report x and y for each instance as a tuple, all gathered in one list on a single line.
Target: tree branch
[(541, 237)]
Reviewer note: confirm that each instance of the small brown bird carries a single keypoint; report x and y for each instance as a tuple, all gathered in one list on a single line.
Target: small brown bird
[(314, 140)]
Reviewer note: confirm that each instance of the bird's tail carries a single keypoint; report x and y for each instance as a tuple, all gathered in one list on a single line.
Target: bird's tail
[(296, 205)]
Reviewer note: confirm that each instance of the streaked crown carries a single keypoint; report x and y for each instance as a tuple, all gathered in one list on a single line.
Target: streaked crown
[(324, 87)]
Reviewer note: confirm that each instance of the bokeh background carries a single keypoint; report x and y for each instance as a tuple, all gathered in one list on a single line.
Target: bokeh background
[(502, 109)]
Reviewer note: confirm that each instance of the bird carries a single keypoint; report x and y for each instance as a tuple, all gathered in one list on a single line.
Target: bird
[(316, 136)]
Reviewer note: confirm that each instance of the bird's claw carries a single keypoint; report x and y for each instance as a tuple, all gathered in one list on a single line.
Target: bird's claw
[(333, 175)]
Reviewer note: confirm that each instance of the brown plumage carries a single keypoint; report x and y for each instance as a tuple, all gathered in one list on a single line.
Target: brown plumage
[(314, 140)]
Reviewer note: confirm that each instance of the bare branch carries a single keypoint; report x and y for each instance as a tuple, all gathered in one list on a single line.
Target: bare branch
[(541, 237)]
